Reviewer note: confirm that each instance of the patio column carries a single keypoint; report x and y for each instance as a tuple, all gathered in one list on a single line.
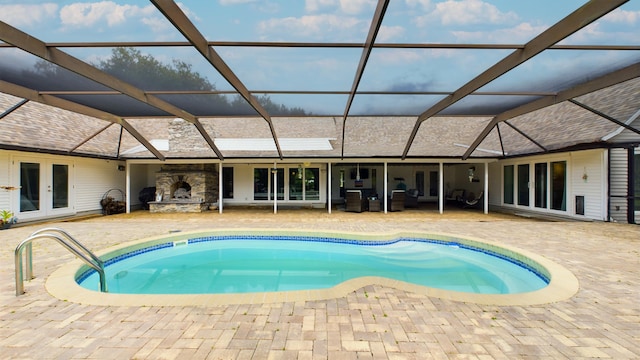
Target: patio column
[(274, 171), (386, 177), (127, 189), (220, 188), (441, 187), (329, 187), (485, 195)]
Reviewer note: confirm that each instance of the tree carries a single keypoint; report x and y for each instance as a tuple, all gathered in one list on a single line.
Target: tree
[(147, 73)]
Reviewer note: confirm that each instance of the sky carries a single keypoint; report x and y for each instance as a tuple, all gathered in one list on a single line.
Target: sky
[(332, 69)]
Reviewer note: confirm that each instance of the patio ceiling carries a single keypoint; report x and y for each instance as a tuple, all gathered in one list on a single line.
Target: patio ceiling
[(406, 79)]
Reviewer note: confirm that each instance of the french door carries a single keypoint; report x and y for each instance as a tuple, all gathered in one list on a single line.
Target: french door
[(45, 187)]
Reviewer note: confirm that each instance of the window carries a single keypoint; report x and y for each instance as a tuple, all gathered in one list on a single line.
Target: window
[(29, 187), (433, 183), (300, 184), (636, 181), (261, 184), (559, 185), (523, 184), (295, 184), (60, 186), (508, 184), (541, 185), (280, 184), (312, 184), (227, 183)]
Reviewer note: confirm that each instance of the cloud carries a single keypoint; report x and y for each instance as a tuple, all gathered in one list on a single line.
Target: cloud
[(466, 12), (78, 15), (424, 4), (235, 2), (156, 24), (27, 15), (356, 6), (520, 33), (351, 7), (402, 57), (318, 26), (315, 5), (410, 86), (622, 16), (387, 33)]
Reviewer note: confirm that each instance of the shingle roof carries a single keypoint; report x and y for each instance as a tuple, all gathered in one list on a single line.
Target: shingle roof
[(74, 107)]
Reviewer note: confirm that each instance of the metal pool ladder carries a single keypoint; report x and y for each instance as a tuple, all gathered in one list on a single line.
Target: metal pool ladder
[(65, 240)]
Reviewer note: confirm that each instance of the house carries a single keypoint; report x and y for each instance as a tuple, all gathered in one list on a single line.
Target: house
[(560, 143)]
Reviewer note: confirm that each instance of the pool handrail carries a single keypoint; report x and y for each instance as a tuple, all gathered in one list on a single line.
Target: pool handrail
[(77, 249)]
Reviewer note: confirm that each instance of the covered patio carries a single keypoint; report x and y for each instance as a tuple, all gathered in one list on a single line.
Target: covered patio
[(600, 321)]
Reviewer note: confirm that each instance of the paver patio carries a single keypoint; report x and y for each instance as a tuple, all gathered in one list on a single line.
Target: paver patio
[(601, 321)]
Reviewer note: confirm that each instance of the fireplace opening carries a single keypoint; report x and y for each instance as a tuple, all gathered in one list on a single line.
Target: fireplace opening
[(181, 190)]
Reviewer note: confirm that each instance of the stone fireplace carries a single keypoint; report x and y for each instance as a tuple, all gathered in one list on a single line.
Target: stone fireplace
[(185, 188)]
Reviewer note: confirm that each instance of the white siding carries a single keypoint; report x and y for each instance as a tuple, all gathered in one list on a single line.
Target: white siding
[(495, 183), (594, 189), (619, 178), (93, 179), (589, 164), (89, 179), (5, 199)]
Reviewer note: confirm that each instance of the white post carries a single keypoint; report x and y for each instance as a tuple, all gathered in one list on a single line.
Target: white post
[(485, 196), (386, 178), (275, 188), (220, 188), (127, 193), (329, 187), (441, 188)]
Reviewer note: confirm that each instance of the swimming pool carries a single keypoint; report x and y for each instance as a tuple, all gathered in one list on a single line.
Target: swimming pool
[(243, 264), (406, 249)]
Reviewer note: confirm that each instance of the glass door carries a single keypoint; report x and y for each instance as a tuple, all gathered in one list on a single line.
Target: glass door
[(541, 185), (523, 184), (45, 188)]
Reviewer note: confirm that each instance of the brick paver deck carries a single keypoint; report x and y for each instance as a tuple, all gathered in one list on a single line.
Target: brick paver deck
[(374, 322)]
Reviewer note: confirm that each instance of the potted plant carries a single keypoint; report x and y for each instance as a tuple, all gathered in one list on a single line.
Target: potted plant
[(7, 218)]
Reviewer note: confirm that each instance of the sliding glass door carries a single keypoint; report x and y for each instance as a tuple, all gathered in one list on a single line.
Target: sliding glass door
[(541, 185), (549, 188), (559, 185), (523, 184), (300, 184)]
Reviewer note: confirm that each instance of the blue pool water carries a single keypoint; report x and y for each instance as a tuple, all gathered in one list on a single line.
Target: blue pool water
[(242, 265)]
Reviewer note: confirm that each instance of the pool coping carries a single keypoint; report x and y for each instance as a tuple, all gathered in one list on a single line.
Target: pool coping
[(563, 284)]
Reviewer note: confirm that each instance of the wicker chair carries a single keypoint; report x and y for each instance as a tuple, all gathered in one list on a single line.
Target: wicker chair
[(354, 201), (411, 198), (396, 201)]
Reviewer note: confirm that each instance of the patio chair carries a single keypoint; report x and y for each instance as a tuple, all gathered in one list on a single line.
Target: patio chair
[(411, 198), (396, 200), (473, 202), (354, 201), (456, 196)]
